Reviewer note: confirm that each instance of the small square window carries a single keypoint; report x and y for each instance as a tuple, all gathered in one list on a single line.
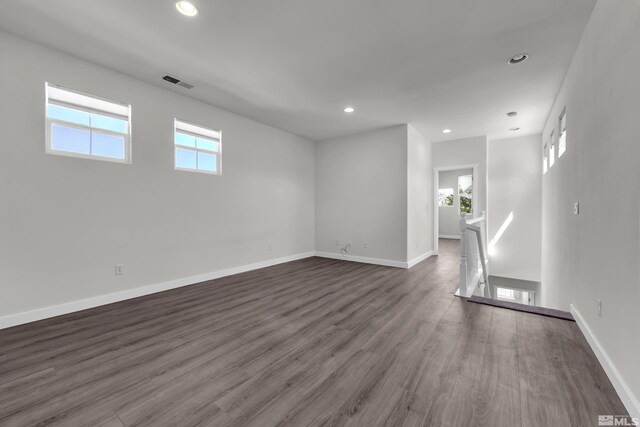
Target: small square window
[(552, 150), (80, 125), (197, 148), (562, 140)]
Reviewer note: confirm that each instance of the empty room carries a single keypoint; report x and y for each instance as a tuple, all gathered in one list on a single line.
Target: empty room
[(294, 213)]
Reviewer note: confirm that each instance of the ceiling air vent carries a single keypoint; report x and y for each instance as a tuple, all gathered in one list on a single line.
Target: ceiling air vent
[(178, 82)]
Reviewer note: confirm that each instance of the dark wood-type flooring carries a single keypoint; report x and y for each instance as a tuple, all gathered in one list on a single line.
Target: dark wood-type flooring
[(311, 342)]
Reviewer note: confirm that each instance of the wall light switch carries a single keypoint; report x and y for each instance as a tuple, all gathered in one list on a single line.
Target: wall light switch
[(576, 208), (119, 269)]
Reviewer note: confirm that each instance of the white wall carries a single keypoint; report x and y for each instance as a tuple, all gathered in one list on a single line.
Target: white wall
[(465, 152), (419, 191), (596, 255), (449, 216), (65, 221), (515, 186), (361, 194)]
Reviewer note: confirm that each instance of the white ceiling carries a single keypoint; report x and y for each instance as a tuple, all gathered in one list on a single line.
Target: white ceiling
[(295, 64)]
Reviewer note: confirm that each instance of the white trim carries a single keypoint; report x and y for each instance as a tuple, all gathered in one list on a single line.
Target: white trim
[(70, 307), (376, 261), (629, 401), (419, 259), (366, 260), (449, 236)]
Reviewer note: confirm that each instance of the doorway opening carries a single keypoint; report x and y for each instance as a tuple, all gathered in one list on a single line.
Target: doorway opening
[(455, 191)]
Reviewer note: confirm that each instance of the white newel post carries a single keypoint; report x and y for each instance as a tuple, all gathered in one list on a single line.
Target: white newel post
[(463, 254)]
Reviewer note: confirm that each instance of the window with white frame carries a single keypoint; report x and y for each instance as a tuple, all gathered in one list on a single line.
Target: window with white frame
[(562, 140), (197, 148), (552, 149), (81, 125)]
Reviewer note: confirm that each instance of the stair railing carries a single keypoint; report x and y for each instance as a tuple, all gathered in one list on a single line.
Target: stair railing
[(473, 260)]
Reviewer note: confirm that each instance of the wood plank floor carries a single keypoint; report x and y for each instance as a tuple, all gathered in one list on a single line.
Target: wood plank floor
[(311, 342)]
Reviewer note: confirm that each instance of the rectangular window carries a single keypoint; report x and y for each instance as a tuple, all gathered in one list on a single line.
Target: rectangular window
[(465, 192), (80, 125), (445, 197), (552, 149), (197, 148), (562, 141)]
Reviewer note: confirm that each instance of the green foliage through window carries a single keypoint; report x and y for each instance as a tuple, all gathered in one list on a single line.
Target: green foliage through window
[(465, 193)]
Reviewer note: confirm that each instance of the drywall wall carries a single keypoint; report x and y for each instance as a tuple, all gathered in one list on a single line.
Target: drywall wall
[(465, 152), (419, 200), (515, 191), (65, 222), (361, 194), (596, 254), (449, 216)]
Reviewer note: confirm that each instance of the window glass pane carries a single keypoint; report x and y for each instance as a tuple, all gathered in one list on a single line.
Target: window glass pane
[(107, 145), (465, 192), (562, 143), (207, 162), (445, 197), (186, 159), (109, 123), (70, 139), (68, 114), (186, 140), (206, 144)]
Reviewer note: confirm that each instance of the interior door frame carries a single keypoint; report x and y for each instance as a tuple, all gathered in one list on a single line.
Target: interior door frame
[(436, 185)]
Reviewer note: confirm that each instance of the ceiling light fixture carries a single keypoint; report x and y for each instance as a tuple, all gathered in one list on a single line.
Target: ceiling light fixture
[(186, 8), (514, 129), (446, 130), (512, 113), (349, 109), (518, 59)]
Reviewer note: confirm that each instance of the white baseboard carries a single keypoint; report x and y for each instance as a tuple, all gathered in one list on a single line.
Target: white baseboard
[(377, 261), (419, 259), (629, 401), (70, 307)]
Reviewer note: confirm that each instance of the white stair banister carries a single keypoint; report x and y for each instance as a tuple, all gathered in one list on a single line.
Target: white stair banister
[(473, 260)]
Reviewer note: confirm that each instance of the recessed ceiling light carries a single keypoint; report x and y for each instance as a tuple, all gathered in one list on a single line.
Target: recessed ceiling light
[(512, 113), (187, 8), (518, 59), (446, 130), (514, 129), (349, 109)]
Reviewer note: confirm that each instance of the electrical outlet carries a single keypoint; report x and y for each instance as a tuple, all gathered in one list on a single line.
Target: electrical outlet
[(119, 269), (576, 208), (599, 307)]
